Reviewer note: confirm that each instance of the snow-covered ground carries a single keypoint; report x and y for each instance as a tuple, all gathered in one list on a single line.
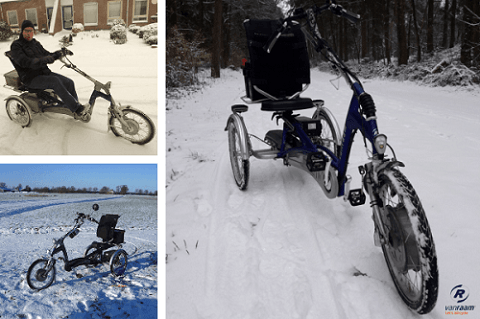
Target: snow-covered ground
[(281, 249), (132, 69), (29, 222)]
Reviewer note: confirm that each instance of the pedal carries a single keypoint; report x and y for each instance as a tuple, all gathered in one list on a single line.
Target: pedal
[(316, 162), (357, 197)]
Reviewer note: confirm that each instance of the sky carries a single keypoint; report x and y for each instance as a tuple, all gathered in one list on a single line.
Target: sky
[(135, 176)]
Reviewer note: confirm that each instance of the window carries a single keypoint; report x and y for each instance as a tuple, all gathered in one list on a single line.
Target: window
[(31, 15), (114, 10), (12, 18), (90, 14), (140, 11)]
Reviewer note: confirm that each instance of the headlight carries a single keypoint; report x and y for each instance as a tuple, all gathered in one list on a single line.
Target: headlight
[(380, 142)]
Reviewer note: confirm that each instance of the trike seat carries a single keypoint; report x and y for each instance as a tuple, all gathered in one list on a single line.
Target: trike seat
[(287, 105), (106, 229)]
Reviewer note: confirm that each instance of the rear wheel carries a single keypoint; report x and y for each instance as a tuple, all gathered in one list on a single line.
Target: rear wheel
[(240, 166), (39, 275), (409, 249), (329, 137), (138, 127), (118, 263), (19, 111)]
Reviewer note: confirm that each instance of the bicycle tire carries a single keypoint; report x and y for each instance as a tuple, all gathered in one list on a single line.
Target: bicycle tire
[(240, 166), (409, 250), (329, 137), (118, 263), (139, 129), (40, 275)]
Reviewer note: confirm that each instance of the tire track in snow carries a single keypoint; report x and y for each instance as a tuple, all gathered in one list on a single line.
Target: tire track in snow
[(9, 209)]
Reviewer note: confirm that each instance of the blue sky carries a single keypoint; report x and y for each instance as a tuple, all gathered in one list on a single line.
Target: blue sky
[(135, 176)]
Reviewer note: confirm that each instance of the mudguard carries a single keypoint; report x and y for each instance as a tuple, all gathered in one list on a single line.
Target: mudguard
[(242, 132)]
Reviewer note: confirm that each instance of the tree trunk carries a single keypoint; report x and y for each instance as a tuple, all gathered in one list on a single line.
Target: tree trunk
[(417, 33), (445, 25), (467, 36), (217, 40), (430, 27), (401, 32), (364, 28), (386, 30), (453, 10), (226, 37)]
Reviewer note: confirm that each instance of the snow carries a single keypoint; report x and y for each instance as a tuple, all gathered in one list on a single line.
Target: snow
[(132, 69), (281, 249), (26, 232)]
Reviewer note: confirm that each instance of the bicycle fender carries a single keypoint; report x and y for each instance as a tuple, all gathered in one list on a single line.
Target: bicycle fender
[(242, 132), (385, 166)]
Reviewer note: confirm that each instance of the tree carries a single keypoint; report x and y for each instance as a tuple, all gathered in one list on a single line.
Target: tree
[(401, 32), (468, 33), (124, 190), (217, 39), (430, 27), (104, 190)]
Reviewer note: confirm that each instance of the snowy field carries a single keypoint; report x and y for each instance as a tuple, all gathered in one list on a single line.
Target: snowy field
[(28, 223), (132, 69), (281, 249)]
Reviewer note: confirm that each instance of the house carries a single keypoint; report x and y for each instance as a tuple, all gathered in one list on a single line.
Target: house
[(53, 16), (6, 190)]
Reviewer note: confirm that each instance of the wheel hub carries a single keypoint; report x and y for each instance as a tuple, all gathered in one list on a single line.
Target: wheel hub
[(402, 246), (131, 127), (41, 275)]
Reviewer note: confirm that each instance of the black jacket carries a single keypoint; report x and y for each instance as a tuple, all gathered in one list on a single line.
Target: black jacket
[(27, 59)]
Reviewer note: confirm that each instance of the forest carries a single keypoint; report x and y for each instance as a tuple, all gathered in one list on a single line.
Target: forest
[(391, 36)]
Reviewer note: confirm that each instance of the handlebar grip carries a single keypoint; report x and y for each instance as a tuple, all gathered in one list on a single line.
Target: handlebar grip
[(340, 11), (353, 17), (272, 40)]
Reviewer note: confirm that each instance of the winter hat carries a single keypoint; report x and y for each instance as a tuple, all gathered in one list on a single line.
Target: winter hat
[(26, 24)]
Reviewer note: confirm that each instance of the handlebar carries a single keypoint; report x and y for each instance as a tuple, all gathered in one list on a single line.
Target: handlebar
[(302, 14)]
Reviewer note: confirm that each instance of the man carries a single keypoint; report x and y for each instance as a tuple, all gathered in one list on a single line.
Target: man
[(31, 61)]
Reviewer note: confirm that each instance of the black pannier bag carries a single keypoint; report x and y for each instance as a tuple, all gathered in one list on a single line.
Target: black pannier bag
[(281, 72), (106, 229)]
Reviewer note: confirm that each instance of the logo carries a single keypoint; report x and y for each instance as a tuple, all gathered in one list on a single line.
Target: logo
[(459, 293)]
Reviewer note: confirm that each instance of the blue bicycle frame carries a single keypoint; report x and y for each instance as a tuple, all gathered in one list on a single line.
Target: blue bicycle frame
[(355, 119)]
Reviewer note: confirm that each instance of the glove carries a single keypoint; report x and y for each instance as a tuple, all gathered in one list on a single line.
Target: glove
[(57, 54), (47, 59)]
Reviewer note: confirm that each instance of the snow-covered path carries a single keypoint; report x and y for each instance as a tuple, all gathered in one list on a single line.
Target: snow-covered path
[(281, 249)]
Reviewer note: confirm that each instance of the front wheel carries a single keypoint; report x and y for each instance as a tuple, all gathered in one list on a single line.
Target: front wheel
[(40, 274), (138, 127), (409, 249), (118, 263), (240, 166)]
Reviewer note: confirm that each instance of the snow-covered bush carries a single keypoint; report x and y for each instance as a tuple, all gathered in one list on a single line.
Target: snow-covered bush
[(183, 60), (118, 32), (77, 27), (5, 31), (149, 33), (133, 28)]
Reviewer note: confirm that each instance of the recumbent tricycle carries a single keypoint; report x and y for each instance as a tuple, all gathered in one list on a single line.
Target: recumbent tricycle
[(41, 273), (124, 121)]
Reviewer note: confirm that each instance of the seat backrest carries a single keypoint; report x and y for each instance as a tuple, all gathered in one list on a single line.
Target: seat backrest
[(106, 226), (282, 71)]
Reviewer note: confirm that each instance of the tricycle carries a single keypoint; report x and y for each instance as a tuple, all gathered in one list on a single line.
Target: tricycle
[(41, 273)]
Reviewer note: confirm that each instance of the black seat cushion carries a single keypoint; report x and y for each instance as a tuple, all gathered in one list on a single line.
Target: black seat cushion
[(287, 105)]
